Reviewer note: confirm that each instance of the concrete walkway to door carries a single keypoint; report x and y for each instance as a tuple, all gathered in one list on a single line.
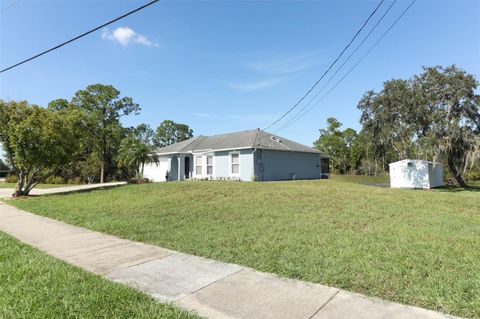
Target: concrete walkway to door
[(210, 288)]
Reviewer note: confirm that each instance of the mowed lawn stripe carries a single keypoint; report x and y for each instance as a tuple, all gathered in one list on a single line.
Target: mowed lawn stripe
[(35, 285), (413, 247)]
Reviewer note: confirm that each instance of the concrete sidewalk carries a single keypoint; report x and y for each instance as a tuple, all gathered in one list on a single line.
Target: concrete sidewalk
[(7, 192), (210, 288)]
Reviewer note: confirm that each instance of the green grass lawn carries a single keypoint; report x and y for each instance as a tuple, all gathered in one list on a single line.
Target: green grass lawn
[(414, 247), (35, 285), (363, 179), (13, 185)]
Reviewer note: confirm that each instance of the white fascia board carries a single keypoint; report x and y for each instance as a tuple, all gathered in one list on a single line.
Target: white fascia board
[(206, 151)]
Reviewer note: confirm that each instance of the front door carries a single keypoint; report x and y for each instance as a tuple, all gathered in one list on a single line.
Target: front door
[(187, 167)]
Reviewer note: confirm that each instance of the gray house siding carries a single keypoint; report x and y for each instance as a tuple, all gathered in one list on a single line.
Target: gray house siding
[(271, 165), (246, 165), (222, 164)]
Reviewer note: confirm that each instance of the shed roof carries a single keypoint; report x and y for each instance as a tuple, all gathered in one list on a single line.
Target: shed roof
[(404, 161), (237, 140)]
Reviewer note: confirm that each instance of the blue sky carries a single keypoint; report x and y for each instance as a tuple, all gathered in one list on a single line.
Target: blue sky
[(223, 66)]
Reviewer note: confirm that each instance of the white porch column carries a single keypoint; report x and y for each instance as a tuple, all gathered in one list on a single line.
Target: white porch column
[(180, 176), (169, 169)]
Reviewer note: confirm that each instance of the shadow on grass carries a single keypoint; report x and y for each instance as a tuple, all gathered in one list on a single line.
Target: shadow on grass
[(87, 190), (457, 189), (385, 185)]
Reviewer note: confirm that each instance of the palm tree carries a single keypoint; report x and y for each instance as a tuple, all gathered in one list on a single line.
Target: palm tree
[(137, 149)]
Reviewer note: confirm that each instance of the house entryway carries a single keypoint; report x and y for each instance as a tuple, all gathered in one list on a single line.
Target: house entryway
[(187, 167)]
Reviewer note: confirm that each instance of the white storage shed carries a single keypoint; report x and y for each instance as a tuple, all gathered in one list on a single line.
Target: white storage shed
[(410, 173)]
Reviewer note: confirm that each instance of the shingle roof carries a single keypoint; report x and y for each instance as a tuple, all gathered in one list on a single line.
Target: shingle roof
[(411, 160), (245, 139)]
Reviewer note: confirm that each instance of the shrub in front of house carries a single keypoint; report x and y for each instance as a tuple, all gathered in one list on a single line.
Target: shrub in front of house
[(212, 178), (11, 179), (75, 181), (55, 180), (138, 180)]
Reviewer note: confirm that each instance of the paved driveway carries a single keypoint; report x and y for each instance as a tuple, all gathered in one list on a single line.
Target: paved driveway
[(7, 192)]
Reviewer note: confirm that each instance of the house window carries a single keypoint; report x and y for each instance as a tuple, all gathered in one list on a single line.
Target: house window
[(209, 164), (198, 165), (235, 163)]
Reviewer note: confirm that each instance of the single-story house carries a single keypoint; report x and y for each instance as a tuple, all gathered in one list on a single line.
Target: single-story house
[(246, 155), (410, 173)]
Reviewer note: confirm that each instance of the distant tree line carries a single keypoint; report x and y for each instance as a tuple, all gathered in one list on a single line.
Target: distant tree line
[(433, 116), (81, 140)]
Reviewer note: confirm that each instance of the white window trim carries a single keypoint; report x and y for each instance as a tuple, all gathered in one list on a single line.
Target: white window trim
[(213, 165), (230, 164), (204, 165), (195, 164)]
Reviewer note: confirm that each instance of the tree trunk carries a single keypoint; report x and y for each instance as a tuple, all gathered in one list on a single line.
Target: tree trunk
[(18, 193), (26, 190), (384, 168), (102, 171), (19, 190), (104, 159), (456, 174), (104, 147)]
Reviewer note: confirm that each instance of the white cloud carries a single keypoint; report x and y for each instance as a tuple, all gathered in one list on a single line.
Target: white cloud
[(275, 70), (205, 115), (125, 36), (141, 39), (254, 86), (288, 65)]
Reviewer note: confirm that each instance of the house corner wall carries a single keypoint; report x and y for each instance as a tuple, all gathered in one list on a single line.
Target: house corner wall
[(274, 165)]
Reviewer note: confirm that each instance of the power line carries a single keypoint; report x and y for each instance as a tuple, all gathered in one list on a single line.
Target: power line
[(329, 68), (357, 63), (300, 113), (80, 36)]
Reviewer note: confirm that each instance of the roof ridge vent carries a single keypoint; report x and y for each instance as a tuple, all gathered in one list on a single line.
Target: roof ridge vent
[(274, 138)]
